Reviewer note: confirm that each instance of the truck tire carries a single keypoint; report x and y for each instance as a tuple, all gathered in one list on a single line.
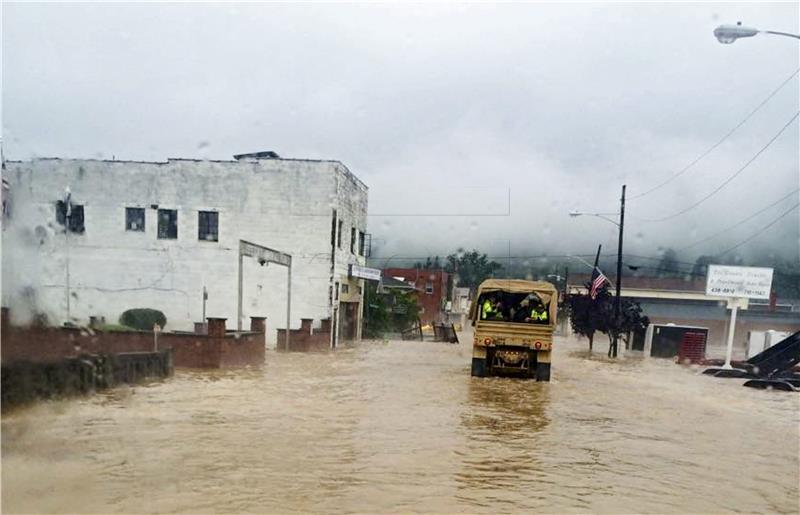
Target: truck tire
[(479, 368), (543, 372)]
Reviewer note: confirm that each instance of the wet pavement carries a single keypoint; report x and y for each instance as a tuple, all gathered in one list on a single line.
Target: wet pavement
[(402, 427)]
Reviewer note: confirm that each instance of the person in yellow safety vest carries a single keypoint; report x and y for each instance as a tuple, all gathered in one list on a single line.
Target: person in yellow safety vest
[(487, 310), (539, 315)]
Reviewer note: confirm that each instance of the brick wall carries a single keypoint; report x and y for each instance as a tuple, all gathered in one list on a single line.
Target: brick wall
[(45, 344), (430, 302), (307, 339)]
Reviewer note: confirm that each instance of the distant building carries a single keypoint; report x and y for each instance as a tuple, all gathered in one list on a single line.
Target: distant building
[(154, 234), (431, 287), (680, 302)]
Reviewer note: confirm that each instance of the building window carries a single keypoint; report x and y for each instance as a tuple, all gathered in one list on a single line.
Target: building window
[(73, 221), (134, 219), (429, 288), (208, 225), (167, 224), (336, 291), (352, 240), (362, 237), (333, 229), (345, 289), (339, 235)]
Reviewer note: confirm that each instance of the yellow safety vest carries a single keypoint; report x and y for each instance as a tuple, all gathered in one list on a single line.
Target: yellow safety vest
[(539, 315)]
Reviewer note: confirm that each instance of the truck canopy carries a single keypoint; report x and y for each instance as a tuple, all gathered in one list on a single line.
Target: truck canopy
[(544, 290)]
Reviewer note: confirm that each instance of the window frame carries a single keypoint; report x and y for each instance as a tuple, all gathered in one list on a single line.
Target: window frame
[(210, 216), (167, 234), (128, 211), (362, 241), (77, 220)]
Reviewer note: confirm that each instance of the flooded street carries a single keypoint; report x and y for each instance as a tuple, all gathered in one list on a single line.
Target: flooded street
[(402, 427)]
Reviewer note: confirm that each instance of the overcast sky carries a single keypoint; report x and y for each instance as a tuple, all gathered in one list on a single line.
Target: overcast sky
[(440, 109)]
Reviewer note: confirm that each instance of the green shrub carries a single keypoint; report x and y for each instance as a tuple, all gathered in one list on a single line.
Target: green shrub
[(143, 319)]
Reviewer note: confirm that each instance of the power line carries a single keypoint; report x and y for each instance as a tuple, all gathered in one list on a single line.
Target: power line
[(718, 143), (757, 233), (728, 180), (737, 224)]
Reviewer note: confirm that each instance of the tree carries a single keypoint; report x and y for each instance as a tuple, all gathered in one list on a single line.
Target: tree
[(668, 264), (392, 311), (700, 267), (429, 264), (472, 267), (588, 316), (630, 321)]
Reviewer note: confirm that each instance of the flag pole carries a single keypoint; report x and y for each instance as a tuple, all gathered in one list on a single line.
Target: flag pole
[(597, 257)]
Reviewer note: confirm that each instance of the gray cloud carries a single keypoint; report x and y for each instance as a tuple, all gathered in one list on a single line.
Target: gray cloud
[(432, 106)]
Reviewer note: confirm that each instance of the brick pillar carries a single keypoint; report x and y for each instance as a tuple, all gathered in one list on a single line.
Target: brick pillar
[(325, 326), (305, 324), (258, 324), (216, 327)]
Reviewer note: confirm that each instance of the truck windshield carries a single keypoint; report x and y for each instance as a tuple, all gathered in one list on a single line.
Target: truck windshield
[(524, 308)]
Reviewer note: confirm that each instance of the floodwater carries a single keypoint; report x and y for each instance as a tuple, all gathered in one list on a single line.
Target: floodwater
[(402, 427)]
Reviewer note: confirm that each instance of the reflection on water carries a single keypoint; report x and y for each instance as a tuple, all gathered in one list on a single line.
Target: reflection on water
[(402, 427), (504, 421)]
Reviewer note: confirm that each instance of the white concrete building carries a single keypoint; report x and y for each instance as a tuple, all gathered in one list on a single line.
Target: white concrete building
[(153, 234)]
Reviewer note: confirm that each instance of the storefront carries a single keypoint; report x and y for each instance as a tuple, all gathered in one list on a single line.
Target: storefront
[(350, 312)]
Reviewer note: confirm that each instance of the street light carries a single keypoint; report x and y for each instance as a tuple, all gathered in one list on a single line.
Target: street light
[(727, 34), (621, 225)]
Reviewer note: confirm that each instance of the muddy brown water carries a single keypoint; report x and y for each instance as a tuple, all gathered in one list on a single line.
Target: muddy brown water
[(402, 427)]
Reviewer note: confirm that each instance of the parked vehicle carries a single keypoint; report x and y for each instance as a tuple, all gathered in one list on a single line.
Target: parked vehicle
[(514, 322)]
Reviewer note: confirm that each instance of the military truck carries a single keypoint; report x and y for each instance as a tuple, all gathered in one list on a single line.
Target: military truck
[(514, 322)]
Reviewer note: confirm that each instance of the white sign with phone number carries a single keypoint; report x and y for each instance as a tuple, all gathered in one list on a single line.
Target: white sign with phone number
[(739, 281)]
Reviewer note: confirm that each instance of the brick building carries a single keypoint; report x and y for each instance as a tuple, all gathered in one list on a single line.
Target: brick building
[(431, 288), (154, 234), (682, 302)]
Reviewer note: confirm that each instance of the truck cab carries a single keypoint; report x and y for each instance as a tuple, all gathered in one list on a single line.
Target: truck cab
[(514, 322)]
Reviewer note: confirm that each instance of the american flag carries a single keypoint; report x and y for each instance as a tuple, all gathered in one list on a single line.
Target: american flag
[(598, 281)]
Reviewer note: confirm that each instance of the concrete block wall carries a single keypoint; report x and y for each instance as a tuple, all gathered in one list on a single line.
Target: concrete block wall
[(279, 203)]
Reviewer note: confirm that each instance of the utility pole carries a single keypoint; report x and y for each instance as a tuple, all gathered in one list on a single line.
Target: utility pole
[(619, 274)]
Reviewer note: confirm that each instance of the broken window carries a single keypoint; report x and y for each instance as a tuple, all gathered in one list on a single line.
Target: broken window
[(70, 217), (208, 226), (352, 240), (167, 224), (134, 219), (339, 240)]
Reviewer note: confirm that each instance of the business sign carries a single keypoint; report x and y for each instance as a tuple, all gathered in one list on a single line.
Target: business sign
[(739, 281), (362, 272)]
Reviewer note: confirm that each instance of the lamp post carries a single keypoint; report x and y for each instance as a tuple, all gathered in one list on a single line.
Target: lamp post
[(621, 225), (727, 34)]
